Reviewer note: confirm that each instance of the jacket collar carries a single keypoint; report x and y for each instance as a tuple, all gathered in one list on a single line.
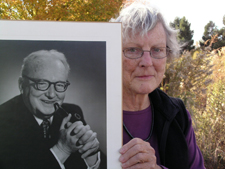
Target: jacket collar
[(164, 104)]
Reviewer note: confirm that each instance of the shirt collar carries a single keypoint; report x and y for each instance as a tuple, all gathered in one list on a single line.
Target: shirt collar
[(39, 121)]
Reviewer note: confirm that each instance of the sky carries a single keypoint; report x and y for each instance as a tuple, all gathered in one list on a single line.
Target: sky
[(197, 12)]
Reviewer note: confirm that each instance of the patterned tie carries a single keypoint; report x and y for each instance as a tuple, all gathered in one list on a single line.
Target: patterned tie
[(45, 125)]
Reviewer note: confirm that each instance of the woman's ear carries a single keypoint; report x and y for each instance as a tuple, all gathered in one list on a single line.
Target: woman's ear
[(20, 83)]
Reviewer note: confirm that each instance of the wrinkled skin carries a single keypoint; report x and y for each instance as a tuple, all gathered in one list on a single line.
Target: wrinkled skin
[(140, 77)]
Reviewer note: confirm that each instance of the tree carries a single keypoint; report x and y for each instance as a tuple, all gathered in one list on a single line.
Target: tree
[(213, 37), (176, 23), (185, 34), (210, 30), (221, 39), (60, 10)]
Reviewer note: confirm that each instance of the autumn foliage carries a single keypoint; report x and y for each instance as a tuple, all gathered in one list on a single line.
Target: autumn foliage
[(198, 77), (59, 10)]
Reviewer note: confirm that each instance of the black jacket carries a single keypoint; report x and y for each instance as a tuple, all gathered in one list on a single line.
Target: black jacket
[(171, 122), (21, 138)]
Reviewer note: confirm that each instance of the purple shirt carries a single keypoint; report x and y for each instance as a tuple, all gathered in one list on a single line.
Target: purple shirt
[(139, 125)]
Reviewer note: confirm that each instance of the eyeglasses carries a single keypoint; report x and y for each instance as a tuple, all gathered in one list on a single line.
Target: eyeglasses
[(157, 53), (43, 85)]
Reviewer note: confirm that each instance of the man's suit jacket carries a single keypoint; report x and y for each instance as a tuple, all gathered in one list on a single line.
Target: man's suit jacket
[(21, 138)]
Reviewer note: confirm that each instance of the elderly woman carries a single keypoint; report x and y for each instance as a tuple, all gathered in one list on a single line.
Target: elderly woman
[(157, 128)]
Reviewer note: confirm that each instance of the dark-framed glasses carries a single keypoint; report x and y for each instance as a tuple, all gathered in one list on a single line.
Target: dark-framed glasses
[(43, 85), (156, 52)]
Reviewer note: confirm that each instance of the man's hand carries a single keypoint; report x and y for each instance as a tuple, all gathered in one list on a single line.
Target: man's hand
[(90, 143), (138, 154), (75, 136), (67, 142), (68, 139)]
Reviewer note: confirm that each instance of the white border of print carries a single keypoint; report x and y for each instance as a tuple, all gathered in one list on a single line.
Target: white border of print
[(84, 31)]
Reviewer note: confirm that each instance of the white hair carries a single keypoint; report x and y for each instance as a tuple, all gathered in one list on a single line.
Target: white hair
[(35, 60), (138, 19)]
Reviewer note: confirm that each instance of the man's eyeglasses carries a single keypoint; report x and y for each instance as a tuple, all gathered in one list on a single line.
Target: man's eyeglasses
[(43, 85), (157, 53)]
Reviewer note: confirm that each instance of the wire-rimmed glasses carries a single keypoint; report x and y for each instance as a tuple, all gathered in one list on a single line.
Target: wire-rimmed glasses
[(156, 52)]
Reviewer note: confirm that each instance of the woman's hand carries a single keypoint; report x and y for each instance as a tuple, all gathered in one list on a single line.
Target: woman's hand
[(138, 154)]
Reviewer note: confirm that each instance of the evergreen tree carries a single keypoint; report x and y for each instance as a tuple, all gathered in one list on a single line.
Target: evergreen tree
[(221, 39), (185, 34), (213, 37), (210, 30)]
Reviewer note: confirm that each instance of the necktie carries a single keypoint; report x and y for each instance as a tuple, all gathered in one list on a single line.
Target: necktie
[(45, 125)]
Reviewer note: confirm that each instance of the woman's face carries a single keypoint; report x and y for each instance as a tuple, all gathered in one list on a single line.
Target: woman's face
[(143, 75)]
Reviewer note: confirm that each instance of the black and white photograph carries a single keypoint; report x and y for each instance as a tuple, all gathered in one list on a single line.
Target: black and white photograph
[(56, 98)]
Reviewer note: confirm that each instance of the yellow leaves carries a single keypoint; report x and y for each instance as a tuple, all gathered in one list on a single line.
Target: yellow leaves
[(76, 10), (195, 54)]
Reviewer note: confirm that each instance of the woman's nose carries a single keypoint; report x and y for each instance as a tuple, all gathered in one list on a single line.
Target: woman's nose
[(146, 59)]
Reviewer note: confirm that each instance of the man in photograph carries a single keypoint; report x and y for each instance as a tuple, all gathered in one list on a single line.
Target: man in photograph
[(38, 130)]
